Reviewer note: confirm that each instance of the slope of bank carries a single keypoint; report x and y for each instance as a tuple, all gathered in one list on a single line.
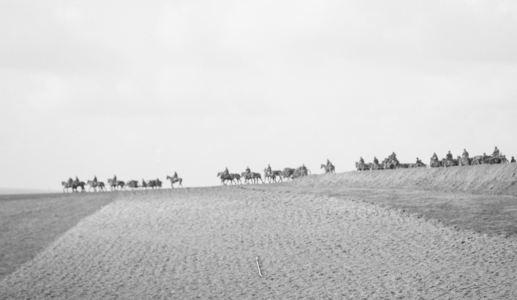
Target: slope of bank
[(482, 179)]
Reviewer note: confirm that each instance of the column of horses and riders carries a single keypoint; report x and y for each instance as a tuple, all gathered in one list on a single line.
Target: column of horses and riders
[(274, 176)]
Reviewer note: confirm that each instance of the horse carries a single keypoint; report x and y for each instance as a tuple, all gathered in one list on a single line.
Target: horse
[(174, 179), (94, 184), (246, 176), (154, 183), (328, 168), (256, 177), (435, 163), (224, 176), (277, 174), (361, 166), (77, 184), (252, 176), (269, 176), (376, 166), (288, 172), (132, 184), (300, 172), (114, 184), (66, 186), (389, 163), (465, 161), (272, 175), (450, 162), (499, 159), (236, 178)]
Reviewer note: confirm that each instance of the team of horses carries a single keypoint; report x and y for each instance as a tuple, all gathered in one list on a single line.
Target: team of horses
[(391, 162), (114, 184), (270, 175)]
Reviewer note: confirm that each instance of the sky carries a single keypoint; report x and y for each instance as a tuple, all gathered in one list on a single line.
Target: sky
[(145, 88)]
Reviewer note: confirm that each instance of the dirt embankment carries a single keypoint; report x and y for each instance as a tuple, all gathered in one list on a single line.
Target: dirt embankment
[(482, 179)]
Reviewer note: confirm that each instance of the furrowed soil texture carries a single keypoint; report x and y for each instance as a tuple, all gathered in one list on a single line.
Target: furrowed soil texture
[(29, 223), (204, 243)]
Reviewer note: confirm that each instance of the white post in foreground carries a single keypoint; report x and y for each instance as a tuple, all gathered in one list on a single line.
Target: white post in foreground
[(258, 266)]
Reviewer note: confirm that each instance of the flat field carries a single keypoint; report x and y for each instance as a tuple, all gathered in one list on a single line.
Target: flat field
[(310, 238)]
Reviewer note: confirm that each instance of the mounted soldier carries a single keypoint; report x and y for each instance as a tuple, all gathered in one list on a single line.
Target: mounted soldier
[(496, 152), (464, 160), (95, 180), (435, 162), (465, 154), (268, 169), (248, 170), (393, 157), (513, 160), (304, 169), (449, 155)]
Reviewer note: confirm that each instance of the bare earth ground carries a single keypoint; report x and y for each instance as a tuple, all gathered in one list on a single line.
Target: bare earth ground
[(490, 214), (29, 223), (203, 243)]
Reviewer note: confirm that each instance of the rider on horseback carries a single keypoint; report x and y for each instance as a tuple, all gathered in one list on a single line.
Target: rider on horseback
[(95, 179), (248, 170), (496, 152), (305, 171), (449, 155), (513, 160), (465, 154), (268, 169), (76, 181), (329, 164)]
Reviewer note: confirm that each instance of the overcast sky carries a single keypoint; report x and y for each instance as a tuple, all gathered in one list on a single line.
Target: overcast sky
[(143, 89)]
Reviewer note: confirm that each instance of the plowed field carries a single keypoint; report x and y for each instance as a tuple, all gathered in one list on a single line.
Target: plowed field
[(204, 243)]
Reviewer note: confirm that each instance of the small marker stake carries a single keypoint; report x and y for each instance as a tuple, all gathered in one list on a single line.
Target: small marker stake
[(258, 266)]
